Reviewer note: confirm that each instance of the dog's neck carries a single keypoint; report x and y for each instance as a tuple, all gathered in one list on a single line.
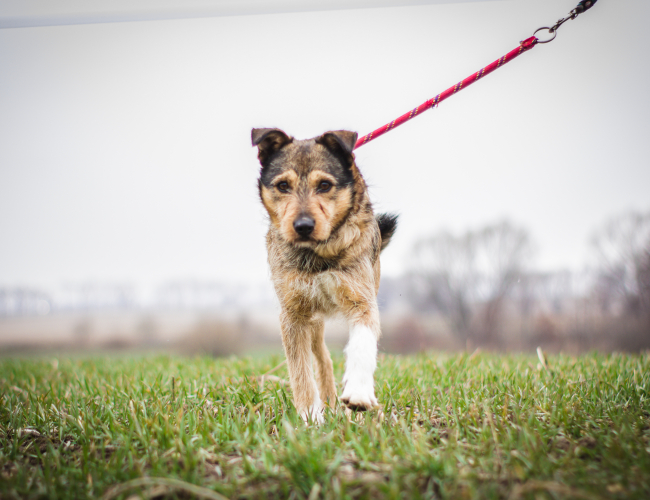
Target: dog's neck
[(308, 261)]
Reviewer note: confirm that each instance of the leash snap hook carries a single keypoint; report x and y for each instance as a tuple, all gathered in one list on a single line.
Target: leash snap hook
[(553, 29), (583, 6)]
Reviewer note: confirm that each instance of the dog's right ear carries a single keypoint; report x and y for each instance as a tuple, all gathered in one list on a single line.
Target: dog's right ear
[(269, 141)]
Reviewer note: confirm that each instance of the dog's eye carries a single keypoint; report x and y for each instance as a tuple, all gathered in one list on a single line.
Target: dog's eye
[(283, 186), (324, 186)]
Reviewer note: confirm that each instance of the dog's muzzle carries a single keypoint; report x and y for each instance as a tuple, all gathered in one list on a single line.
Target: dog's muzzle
[(304, 226)]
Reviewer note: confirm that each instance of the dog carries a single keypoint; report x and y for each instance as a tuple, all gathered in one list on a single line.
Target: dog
[(323, 248)]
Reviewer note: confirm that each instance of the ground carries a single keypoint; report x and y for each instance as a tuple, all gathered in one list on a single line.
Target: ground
[(450, 426)]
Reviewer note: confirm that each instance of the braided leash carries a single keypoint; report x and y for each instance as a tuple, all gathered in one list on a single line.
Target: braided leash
[(524, 46)]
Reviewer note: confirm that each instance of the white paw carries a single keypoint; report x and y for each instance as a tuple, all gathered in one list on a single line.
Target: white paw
[(359, 394), (358, 382), (313, 414)]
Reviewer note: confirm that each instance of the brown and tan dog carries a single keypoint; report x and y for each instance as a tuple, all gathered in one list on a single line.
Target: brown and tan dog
[(323, 249)]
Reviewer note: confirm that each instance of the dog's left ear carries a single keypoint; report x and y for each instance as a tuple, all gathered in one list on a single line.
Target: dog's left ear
[(341, 143)]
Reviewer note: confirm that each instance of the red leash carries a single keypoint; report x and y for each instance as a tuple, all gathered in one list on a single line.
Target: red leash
[(524, 46)]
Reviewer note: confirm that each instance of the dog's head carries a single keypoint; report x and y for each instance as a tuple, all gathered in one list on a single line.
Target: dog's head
[(307, 186)]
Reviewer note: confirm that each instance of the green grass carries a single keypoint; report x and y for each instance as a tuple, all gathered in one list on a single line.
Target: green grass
[(453, 426)]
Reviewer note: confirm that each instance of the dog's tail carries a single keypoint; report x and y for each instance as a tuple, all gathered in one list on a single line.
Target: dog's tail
[(387, 226)]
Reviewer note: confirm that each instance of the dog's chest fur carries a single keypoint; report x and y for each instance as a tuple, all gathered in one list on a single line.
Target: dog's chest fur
[(327, 286), (317, 290)]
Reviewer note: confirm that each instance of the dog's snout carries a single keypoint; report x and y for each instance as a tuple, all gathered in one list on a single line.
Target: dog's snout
[(304, 226)]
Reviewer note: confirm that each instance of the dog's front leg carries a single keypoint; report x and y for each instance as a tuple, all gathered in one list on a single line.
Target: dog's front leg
[(360, 364), (323, 365), (297, 339)]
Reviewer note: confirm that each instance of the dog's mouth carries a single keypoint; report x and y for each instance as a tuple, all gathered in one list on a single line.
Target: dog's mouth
[(304, 241)]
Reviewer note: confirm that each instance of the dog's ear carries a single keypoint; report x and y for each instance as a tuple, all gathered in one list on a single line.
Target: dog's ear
[(268, 142), (341, 143)]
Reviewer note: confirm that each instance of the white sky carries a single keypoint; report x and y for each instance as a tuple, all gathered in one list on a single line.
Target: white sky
[(125, 147), (23, 13)]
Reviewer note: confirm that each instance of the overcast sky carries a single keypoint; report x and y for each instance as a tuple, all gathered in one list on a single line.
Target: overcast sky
[(125, 149)]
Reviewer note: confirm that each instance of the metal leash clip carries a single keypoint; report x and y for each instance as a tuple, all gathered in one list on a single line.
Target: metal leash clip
[(583, 6)]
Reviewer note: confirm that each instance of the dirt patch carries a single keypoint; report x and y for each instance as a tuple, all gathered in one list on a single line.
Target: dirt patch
[(561, 443)]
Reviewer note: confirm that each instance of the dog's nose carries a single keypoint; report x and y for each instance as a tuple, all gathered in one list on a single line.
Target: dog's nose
[(304, 226)]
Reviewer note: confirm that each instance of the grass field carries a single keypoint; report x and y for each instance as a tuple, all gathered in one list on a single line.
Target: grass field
[(451, 426)]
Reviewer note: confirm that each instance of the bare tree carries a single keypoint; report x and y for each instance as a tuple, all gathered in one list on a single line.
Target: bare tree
[(456, 275), (622, 248), (444, 277), (504, 250), (643, 278)]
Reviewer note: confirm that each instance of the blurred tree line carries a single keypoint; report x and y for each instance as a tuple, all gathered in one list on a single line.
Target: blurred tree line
[(480, 288)]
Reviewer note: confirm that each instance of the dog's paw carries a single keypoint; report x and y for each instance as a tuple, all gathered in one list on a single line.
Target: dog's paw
[(359, 396), (313, 414)]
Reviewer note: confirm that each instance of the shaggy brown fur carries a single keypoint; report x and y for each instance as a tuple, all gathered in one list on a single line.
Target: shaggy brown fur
[(323, 250)]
